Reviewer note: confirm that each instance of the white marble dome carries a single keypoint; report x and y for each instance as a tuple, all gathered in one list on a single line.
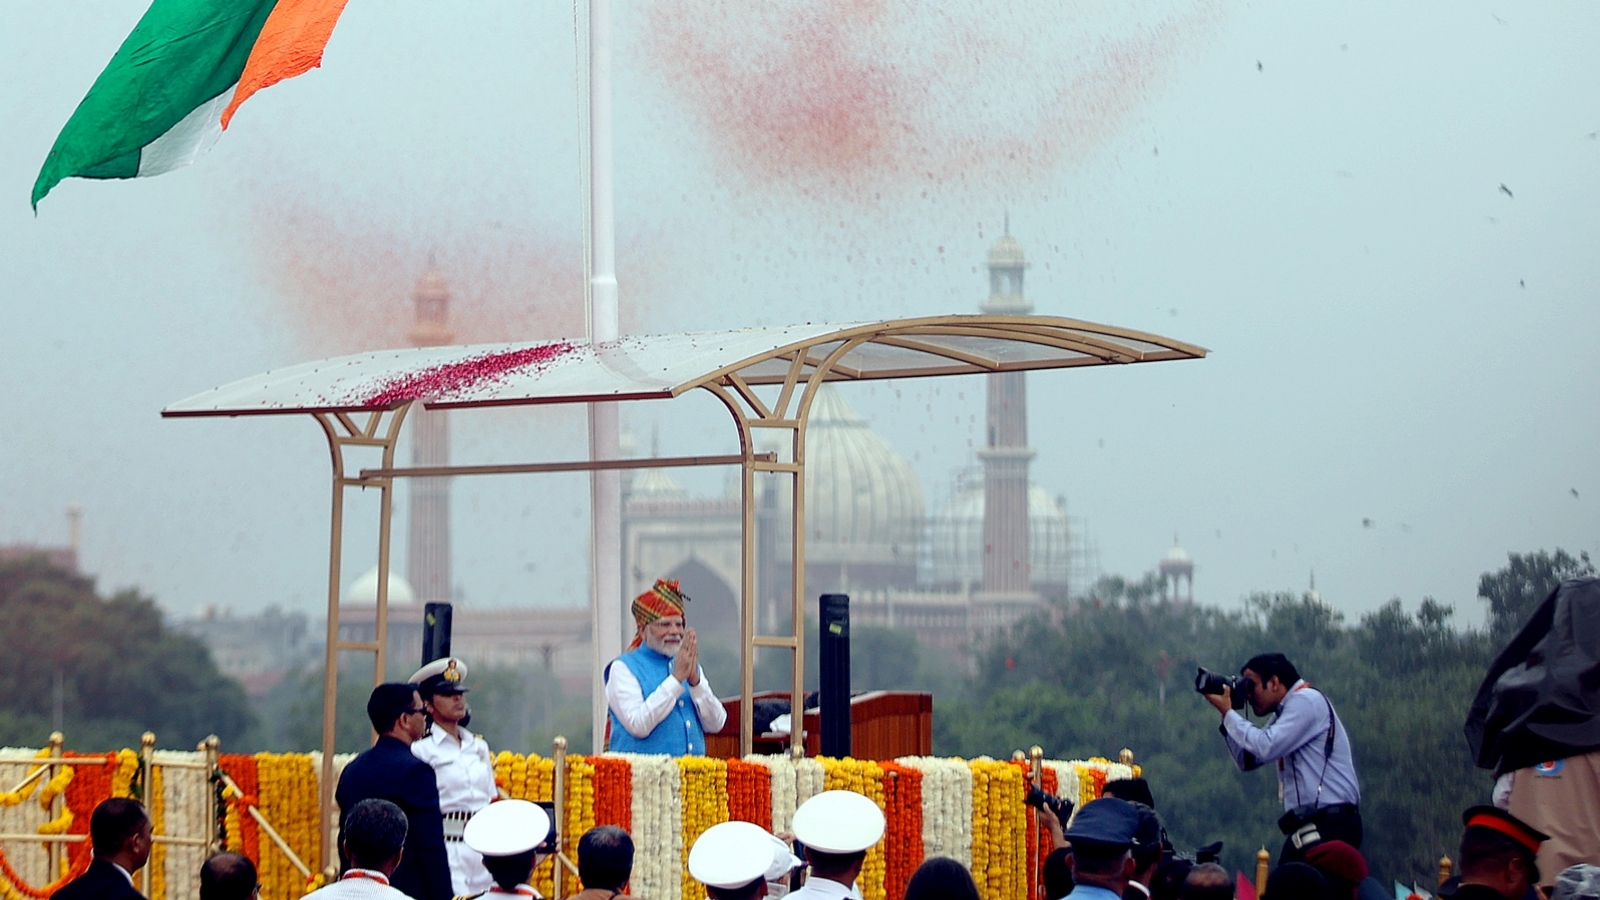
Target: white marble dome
[(954, 552), (364, 590), (863, 500)]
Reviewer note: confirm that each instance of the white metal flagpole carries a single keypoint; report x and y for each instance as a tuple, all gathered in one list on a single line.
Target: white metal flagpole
[(604, 486)]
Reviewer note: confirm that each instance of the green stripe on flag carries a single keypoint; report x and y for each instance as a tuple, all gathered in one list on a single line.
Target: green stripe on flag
[(181, 54)]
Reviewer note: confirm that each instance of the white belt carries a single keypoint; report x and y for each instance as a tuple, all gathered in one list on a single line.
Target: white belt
[(454, 828)]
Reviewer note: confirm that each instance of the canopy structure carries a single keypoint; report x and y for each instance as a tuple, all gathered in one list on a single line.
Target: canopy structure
[(767, 378)]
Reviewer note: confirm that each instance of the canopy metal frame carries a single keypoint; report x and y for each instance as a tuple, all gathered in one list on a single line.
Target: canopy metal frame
[(794, 361)]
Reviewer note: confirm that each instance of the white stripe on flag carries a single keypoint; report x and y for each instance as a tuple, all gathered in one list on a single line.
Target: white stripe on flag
[(184, 142)]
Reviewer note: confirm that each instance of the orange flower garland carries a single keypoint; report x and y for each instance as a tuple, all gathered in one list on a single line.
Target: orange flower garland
[(750, 793), (902, 800), (243, 835), (613, 792), (83, 791)]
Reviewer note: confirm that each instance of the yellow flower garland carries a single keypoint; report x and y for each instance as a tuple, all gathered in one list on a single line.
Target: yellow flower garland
[(288, 795), (12, 798), (122, 778), (865, 777), (156, 803), (579, 805), (704, 782), (999, 830)]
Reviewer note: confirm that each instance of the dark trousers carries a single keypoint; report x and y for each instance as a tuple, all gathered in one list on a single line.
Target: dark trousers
[(1334, 823)]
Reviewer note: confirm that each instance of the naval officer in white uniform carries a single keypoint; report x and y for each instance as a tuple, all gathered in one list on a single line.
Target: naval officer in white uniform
[(731, 859), (462, 765), (837, 828)]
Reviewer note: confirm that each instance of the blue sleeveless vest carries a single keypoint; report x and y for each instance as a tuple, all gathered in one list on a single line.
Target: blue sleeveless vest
[(680, 733)]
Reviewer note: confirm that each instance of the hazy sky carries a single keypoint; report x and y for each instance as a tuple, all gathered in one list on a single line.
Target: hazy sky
[(1402, 383)]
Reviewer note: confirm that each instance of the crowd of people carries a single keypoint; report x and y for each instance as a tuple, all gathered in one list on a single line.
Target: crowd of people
[(1115, 848), (420, 816)]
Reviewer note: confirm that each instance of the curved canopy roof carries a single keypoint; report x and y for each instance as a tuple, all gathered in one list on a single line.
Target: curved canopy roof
[(663, 366)]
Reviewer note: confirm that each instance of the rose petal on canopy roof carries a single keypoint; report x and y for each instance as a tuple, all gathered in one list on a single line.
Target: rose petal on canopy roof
[(663, 366)]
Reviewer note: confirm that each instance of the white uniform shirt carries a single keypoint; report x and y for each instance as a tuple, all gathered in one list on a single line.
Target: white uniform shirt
[(821, 889), (358, 884), (640, 714), (464, 769)]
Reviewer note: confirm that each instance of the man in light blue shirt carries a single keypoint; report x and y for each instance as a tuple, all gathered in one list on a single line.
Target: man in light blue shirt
[(1103, 837), (1316, 773)]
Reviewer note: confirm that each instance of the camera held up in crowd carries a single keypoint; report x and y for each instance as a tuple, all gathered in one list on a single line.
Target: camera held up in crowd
[(1038, 798), (1208, 682)]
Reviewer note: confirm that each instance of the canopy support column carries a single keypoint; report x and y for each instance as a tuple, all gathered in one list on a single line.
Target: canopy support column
[(380, 430)]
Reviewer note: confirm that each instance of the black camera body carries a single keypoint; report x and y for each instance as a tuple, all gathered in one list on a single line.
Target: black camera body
[(1038, 798), (1208, 682)]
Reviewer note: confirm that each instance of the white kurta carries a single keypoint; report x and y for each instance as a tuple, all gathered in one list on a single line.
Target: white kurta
[(465, 771)]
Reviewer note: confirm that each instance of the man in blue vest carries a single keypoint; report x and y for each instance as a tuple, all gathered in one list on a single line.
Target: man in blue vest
[(660, 700)]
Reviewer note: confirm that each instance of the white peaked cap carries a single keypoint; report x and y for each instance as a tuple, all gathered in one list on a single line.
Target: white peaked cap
[(838, 822), (506, 828), (783, 860), (731, 855)]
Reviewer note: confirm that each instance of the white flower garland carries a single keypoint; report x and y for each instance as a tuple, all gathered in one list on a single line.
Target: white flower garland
[(657, 812), (183, 790), (946, 806), (784, 789)]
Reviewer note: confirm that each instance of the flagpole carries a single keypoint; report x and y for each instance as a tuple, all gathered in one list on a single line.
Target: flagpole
[(604, 486)]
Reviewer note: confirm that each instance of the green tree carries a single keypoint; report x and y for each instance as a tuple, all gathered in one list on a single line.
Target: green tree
[(120, 671), (1516, 590)]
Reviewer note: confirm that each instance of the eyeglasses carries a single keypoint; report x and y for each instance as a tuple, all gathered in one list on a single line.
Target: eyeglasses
[(414, 712)]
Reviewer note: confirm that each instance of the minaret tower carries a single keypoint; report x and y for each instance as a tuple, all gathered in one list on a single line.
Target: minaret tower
[(428, 544), (1006, 453)]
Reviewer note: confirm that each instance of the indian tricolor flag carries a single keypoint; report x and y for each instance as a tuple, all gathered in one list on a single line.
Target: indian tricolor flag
[(177, 80)]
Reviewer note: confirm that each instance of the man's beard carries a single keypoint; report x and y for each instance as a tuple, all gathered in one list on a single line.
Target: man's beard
[(662, 647)]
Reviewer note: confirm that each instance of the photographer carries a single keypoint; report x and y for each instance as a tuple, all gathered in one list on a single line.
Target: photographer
[(1316, 774)]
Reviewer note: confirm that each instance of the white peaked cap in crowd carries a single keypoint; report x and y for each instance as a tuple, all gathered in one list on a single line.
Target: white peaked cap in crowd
[(506, 828), (783, 860), (731, 855), (838, 822)]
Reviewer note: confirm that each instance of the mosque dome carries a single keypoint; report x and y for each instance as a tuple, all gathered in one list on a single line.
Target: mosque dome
[(863, 501), (364, 590), (656, 484), (1007, 252), (1177, 560), (955, 542)]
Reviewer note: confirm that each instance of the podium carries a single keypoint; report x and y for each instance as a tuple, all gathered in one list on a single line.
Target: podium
[(883, 725)]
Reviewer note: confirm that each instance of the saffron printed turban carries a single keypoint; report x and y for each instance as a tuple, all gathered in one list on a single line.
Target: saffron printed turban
[(662, 600)]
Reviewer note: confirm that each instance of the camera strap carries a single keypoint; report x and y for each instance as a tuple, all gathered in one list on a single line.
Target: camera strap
[(1327, 756)]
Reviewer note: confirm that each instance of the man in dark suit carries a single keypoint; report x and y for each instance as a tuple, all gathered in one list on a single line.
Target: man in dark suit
[(388, 771), (120, 832)]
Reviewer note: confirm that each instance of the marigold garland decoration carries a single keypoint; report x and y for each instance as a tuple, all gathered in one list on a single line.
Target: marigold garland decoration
[(240, 832), (704, 782), (750, 793), (579, 807), (902, 805), (613, 792)]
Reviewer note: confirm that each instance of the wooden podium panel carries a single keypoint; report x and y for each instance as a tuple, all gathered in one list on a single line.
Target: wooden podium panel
[(883, 725)]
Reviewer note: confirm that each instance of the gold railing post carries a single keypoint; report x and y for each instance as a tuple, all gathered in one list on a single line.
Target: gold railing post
[(1445, 868), (1263, 863), (211, 748), (53, 849), (1125, 757), (1036, 765), (558, 795), (147, 786)]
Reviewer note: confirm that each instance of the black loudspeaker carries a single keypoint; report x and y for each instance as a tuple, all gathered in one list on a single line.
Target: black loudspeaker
[(435, 631), (833, 667)]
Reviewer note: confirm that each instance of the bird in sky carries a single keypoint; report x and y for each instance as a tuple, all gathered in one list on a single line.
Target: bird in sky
[(1367, 523), (1507, 191), (1258, 65), (1521, 283), (1574, 493)]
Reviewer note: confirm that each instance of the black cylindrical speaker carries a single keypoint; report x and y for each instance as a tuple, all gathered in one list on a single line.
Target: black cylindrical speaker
[(435, 631), (833, 667)]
